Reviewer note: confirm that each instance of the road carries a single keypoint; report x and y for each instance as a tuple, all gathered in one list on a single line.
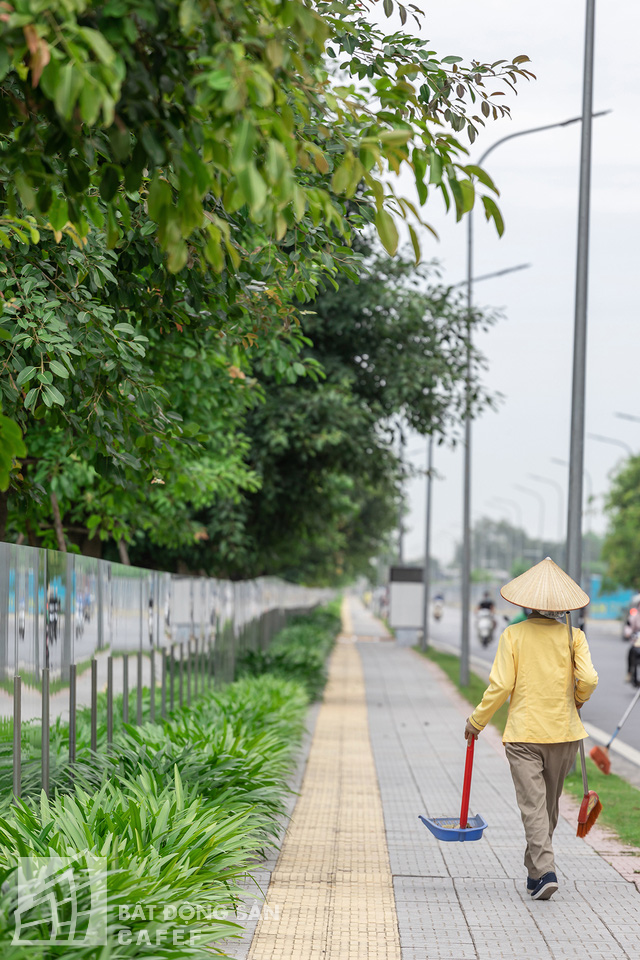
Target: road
[(609, 654)]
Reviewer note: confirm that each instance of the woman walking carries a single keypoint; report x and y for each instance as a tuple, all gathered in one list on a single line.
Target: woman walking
[(547, 679)]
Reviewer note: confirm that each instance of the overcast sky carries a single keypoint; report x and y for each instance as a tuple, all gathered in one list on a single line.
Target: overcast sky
[(529, 352)]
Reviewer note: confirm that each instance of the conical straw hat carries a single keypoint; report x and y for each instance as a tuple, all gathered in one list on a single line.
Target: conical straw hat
[(545, 587)]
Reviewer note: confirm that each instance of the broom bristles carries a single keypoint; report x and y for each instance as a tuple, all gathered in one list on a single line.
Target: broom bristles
[(593, 812), (601, 758)]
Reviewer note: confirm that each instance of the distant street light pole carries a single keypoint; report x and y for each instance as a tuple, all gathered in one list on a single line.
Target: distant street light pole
[(518, 509), (466, 512), (554, 483), (540, 499), (613, 440), (427, 550), (511, 540)]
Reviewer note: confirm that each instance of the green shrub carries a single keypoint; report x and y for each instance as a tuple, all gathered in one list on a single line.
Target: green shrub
[(183, 808), (164, 846), (299, 652)]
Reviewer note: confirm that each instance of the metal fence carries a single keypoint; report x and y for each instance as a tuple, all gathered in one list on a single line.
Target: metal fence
[(78, 632)]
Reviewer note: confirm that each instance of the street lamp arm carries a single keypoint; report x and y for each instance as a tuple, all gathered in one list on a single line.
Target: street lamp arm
[(613, 440), (524, 133)]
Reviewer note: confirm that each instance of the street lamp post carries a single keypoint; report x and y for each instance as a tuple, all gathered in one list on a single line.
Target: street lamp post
[(578, 388), (466, 512), (540, 499), (511, 540), (427, 550), (587, 512), (554, 483), (518, 511)]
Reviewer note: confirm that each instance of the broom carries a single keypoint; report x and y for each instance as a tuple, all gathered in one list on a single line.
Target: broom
[(591, 807), (600, 755)]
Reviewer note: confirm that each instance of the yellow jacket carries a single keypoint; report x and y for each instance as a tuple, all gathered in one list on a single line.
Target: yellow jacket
[(533, 666)]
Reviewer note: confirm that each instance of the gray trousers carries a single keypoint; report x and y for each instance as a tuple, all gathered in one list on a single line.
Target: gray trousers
[(538, 771)]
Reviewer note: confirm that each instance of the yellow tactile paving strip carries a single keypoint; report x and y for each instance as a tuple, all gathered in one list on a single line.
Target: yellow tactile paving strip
[(331, 893)]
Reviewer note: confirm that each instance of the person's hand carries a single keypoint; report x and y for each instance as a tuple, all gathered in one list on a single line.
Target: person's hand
[(470, 731), (578, 704)]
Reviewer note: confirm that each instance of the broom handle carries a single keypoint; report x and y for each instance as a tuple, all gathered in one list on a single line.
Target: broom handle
[(583, 762), (466, 786), (624, 718)]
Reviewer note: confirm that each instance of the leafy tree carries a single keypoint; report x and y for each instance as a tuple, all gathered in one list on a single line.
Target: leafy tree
[(621, 550), (329, 480), (173, 168)]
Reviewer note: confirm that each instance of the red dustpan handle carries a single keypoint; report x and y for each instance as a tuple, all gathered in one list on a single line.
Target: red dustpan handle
[(466, 786)]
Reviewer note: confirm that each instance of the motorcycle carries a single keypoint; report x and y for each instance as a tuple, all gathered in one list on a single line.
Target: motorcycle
[(633, 660), (485, 625)]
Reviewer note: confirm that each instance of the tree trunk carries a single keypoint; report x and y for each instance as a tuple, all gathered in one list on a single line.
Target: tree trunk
[(124, 553), (31, 537), (57, 524)]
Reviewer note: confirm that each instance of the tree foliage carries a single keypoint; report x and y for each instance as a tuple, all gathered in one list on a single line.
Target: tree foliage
[(176, 178), (621, 549), (392, 345)]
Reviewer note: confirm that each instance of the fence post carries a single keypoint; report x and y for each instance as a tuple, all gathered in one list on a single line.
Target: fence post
[(152, 687), (72, 712), (139, 691), (163, 698), (189, 671), (94, 705), (45, 730), (125, 688), (17, 737), (109, 701), (172, 663)]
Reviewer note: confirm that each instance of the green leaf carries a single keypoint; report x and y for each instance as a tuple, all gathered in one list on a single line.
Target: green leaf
[(253, 187), (482, 176), (415, 243), (388, 7), (124, 328), (159, 198), (5, 335), (113, 232), (59, 369), (90, 103), (59, 213), (25, 189), (110, 181), (26, 374), (387, 231), (5, 62), (68, 88), (189, 16), (30, 398), (492, 212), (152, 146), (99, 45), (53, 394)]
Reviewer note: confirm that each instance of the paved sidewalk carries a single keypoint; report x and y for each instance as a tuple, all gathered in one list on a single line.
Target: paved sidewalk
[(355, 836)]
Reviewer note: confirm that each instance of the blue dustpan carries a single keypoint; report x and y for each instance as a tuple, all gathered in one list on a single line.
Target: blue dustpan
[(448, 828)]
